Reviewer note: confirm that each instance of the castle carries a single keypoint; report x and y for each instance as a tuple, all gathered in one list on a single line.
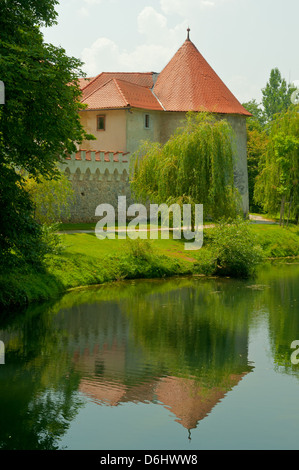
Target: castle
[(124, 109)]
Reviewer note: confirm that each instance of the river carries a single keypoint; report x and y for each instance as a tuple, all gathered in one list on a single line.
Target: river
[(181, 363)]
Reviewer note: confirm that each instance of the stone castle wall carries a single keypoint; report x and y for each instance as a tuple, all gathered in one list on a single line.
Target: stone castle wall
[(97, 177)]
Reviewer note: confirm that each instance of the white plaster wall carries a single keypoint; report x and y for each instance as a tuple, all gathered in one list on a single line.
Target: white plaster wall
[(113, 138), (136, 131)]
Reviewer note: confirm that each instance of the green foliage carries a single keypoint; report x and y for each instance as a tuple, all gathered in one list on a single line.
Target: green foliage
[(37, 125), (257, 140), (21, 239), (277, 243), (51, 197), (264, 189), (277, 183), (196, 164), (39, 122), (236, 249), (141, 249), (257, 120), (276, 95)]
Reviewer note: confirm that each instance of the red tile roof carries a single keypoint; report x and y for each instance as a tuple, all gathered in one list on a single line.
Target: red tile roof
[(122, 94), (142, 79), (188, 83), (84, 81)]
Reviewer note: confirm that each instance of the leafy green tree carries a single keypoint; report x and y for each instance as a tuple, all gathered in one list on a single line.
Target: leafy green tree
[(257, 120), (51, 198), (39, 122), (277, 185), (256, 147), (276, 95), (257, 139), (195, 166)]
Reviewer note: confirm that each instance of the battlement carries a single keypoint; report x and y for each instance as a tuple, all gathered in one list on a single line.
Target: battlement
[(96, 165)]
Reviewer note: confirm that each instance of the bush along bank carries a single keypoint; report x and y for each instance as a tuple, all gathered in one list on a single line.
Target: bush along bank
[(232, 249)]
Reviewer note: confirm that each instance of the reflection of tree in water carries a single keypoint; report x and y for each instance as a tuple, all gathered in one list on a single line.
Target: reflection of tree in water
[(38, 386), (181, 343), (282, 301), (200, 331)]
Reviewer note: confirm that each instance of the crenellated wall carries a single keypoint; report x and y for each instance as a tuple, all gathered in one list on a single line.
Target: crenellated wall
[(97, 177)]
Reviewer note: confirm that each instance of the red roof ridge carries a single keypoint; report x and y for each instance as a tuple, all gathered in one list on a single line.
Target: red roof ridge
[(120, 90), (89, 85), (91, 81), (150, 100), (112, 80)]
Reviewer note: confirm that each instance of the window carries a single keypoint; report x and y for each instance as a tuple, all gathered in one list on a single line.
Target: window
[(101, 123), (147, 121)]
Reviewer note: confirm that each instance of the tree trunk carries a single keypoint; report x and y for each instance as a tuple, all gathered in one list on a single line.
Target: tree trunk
[(282, 211), (289, 213)]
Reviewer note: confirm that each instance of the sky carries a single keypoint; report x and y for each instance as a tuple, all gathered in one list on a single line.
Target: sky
[(241, 39)]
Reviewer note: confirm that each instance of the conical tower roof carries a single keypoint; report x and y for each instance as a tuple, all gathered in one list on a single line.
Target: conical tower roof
[(188, 83)]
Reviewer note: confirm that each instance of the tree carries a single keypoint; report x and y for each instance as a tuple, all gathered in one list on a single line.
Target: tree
[(277, 185), (276, 95), (39, 122), (257, 139), (257, 120), (51, 198), (195, 166)]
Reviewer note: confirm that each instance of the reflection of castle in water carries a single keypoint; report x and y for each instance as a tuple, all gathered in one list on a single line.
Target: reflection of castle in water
[(185, 398), (115, 369)]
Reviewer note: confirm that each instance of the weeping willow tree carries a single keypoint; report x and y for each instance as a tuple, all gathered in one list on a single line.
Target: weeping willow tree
[(277, 185), (195, 166)]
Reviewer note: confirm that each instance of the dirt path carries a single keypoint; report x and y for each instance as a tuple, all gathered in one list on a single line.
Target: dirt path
[(259, 219)]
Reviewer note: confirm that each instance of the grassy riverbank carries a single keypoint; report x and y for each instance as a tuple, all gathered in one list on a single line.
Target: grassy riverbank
[(85, 261)]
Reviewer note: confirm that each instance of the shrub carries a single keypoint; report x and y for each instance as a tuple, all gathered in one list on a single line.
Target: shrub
[(236, 249), (139, 248)]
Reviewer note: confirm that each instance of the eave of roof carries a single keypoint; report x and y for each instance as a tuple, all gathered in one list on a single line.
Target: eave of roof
[(118, 93)]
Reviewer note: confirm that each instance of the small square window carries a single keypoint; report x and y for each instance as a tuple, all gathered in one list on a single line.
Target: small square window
[(101, 123), (147, 121)]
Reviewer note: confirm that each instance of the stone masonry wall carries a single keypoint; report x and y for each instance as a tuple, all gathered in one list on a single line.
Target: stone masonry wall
[(97, 178)]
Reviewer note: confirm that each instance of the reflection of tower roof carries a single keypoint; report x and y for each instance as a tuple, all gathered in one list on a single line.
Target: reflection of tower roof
[(189, 400)]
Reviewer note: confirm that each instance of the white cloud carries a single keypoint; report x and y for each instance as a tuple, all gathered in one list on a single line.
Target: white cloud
[(186, 8), (154, 27), (159, 44), (149, 21), (105, 55), (102, 53)]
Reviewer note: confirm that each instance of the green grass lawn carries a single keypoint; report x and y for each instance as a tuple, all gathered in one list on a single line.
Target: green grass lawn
[(275, 240), (85, 260)]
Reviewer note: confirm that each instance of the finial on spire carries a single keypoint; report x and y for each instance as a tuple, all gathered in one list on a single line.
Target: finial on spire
[(188, 34)]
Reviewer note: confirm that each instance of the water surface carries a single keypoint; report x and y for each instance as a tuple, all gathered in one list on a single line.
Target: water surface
[(185, 363)]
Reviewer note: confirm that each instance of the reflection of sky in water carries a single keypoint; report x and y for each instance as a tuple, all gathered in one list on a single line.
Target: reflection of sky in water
[(178, 364)]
